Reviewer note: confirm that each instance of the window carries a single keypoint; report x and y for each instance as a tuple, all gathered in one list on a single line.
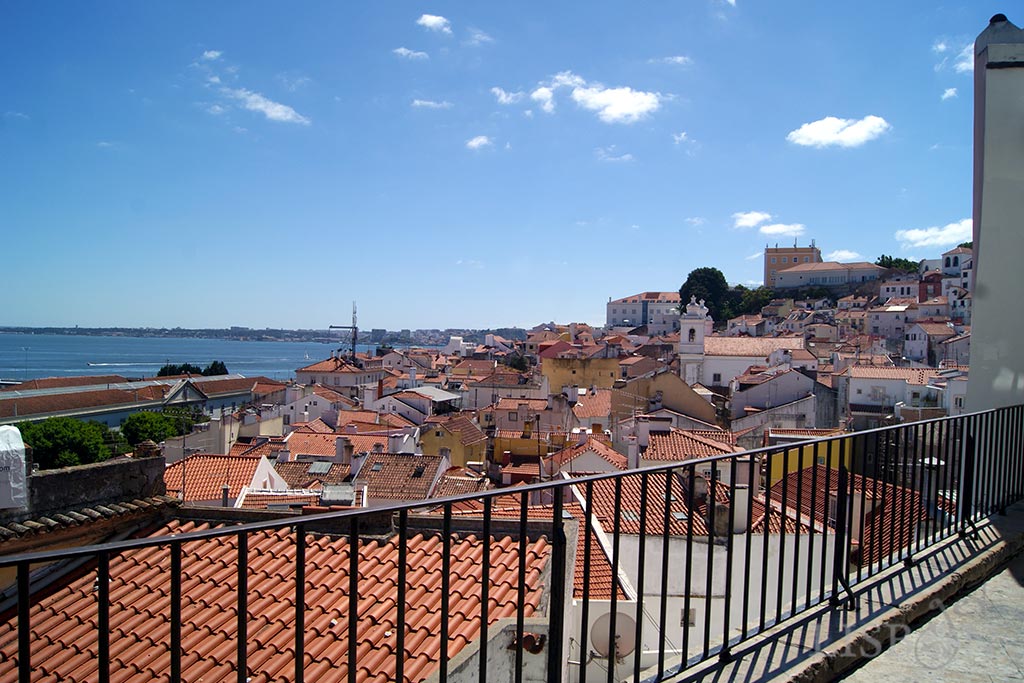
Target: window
[(773, 261), (692, 336), (807, 259), (785, 259), (513, 416), (716, 378)]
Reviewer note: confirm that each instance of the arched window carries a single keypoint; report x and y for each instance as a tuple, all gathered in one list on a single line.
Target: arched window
[(956, 261), (947, 262), (693, 335)]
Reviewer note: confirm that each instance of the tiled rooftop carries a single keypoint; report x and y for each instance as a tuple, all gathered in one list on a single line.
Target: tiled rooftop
[(760, 347), (596, 404), (206, 473), (296, 474), (392, 476), (64, 621), (678, 445)]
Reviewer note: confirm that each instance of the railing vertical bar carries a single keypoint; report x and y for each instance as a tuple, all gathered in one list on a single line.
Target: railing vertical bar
[(895, 507), (585, 611), (812, 518), (485, 586), (446, 567), (558, 581), (1016, 428), (103, 616), (175, 551), (797, 562), (953, 460), (907, 492), (242, 608), (691, 512), (729, 552), (663, 617), (986, 463), (752, 487), (353, 600), (616, 534), (921, 449), (942, 486), (710, 569), (841, 536), (403, 561), (995, 453), (1003, 454), (640, 570), (884, 506), (861, 468), (762, 608), (300, 602), (521, 587), (24, 627), (781, 573), (928, 485)]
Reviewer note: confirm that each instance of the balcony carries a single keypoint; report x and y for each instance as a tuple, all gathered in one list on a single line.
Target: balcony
[(662, 573)]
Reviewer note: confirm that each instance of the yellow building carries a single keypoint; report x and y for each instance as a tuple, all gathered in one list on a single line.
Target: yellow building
[(800, 457), (457, 436), (779, 258), (575, 368)]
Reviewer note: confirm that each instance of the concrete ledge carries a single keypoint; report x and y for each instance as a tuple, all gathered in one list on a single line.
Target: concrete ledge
[(895, 622)]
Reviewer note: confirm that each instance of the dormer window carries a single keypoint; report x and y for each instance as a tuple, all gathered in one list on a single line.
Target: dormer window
[(692, 335)]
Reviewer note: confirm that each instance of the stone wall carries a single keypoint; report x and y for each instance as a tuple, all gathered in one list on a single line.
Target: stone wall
[(121, 479)]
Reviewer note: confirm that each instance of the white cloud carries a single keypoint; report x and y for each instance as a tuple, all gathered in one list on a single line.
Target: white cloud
[(545, 97), (842, 255), (505, 97), (948, 93), (103, 144), (677, 60), (788, 229), (479, 142), (964, 63), (940, 46), (216, 109), (617, 105), (754, 256), (470, 263), (696, 221), (406, 53), (680, 137), (731, 3), (433, 22), (613, 105), (832, 131), (478, 37), (214, 80), (946, 235), (275, 111), (608, 154), (16, 115), (211, 55), (431, 104), (528, 113), (750, 219)]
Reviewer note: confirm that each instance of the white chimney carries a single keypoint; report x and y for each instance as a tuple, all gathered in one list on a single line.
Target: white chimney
[(632, 453), (412, 378), (740, 504)]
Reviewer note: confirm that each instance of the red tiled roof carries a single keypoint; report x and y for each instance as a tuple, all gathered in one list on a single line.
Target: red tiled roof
[(679, 444), (64, 620), (76, 401), (759, 347), (911, 375), (394, 476), (206, 473), (317, 426), (891, 523), (597, 404), (60, 382), (257, 448), (596, 446), (262, 500), (331, 395), (332, 365), (513, 403), (266, 386), (459, 424), (461, 480), (312, 443), (296, 474)]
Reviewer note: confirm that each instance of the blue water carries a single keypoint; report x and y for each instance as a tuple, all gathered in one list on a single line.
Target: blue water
[(28, 356)]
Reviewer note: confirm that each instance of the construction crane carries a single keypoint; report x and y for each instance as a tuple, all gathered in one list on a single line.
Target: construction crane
[(355, 331)]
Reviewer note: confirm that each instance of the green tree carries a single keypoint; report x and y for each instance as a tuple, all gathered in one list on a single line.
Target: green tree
[(516, 361), (708, 284), (967, 245), (171, 369), (215, 368), (753, 300), (906, 265), (65, 441), (148, 425)]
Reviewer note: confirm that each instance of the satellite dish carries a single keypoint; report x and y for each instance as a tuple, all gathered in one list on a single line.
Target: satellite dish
[(625, 635)]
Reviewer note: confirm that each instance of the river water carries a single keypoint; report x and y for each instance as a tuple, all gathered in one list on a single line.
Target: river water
[(28, 356)]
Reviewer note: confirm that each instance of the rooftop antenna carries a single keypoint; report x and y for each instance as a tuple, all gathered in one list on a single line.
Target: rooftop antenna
[(355, 331)]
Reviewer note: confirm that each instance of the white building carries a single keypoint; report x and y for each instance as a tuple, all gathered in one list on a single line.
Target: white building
[(658, 310), (828, 274)]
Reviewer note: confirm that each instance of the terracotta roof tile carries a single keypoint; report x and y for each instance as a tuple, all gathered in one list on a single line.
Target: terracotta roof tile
[(394, 476), (760, 347), (296, 474), (204, 475), (263, 500), (60, 382), (564, 457), (596, 404), (679, 444), (458, 480), (64, 620)]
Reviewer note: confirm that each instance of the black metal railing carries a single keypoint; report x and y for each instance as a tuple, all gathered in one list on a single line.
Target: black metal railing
[(578, 578)]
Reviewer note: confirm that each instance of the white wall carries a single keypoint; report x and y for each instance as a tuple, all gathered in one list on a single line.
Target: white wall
[(997, 365)]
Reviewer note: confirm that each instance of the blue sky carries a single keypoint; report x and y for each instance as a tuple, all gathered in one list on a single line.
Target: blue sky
[(463, 164)]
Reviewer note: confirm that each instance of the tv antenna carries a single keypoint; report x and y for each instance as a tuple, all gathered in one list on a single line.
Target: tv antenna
[(355, 331)]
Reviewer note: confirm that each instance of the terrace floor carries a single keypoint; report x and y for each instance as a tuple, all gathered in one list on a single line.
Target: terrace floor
[(955, 615)]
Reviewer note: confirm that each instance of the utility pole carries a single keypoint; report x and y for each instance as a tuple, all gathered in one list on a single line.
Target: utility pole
[(355, 330)]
